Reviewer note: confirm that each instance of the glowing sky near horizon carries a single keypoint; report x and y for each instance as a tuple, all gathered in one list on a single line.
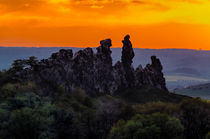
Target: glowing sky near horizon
[(81, 23)]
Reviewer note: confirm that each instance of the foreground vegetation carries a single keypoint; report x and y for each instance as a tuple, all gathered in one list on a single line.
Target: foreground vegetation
[(142, 113)]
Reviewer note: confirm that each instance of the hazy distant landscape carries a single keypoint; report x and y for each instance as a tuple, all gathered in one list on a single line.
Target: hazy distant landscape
[(181, 67), (202, 91)]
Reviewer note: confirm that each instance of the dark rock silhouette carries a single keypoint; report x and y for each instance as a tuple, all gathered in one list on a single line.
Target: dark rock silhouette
[(94, 72), (127, 52), (127, 57)]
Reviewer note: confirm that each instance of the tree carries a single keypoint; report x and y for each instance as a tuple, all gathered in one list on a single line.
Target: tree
[(31, 62), (20, 64)]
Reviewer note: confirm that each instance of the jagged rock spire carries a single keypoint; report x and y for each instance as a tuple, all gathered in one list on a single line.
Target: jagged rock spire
[(127, 60), (156, 63), (127, 51), (104, 53), (105, 47)]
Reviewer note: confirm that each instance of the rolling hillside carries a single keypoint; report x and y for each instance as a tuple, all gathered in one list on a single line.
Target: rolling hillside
[(202, 90)]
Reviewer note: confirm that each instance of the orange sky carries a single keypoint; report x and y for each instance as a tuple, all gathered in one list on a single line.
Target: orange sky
[(83, 23)]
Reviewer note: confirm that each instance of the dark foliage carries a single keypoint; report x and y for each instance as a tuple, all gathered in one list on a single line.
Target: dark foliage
[(65, 126), (155, 126), (195, 116)]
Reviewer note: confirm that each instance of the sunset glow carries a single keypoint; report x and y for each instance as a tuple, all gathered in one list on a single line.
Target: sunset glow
[(83, 23)]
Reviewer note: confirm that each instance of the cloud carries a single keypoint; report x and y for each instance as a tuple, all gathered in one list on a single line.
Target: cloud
[(20, 5), (100, 6), (28, 5), (92, 12)]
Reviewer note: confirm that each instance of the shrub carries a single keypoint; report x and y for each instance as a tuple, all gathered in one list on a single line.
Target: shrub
[(28, 123), (4, 114), (208, 135), (11, 89), (8, 90), (155, 126), (25, 116), (65, 125), (195, 116), (154, 107)]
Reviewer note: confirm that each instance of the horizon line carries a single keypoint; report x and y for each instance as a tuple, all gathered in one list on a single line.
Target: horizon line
[(96, 47)]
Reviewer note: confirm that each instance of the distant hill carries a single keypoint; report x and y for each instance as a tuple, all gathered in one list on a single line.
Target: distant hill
[(9, 54), (202, 90), (185, 71), (189, 67)]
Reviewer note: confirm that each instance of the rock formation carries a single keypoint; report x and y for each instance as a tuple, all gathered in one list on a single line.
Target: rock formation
[(127, 52), (94, 72), (127, 57)]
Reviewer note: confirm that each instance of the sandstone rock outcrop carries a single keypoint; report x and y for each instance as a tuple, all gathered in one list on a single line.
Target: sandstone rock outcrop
[(94, 72)]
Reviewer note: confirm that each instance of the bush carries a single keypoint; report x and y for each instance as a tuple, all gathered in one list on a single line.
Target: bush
[(9, 90), (25, 116), (155, 126), (28, 123), (208, 135), (4, 114), (195, 116), (65, 125), (78, 100), (154, 107)]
